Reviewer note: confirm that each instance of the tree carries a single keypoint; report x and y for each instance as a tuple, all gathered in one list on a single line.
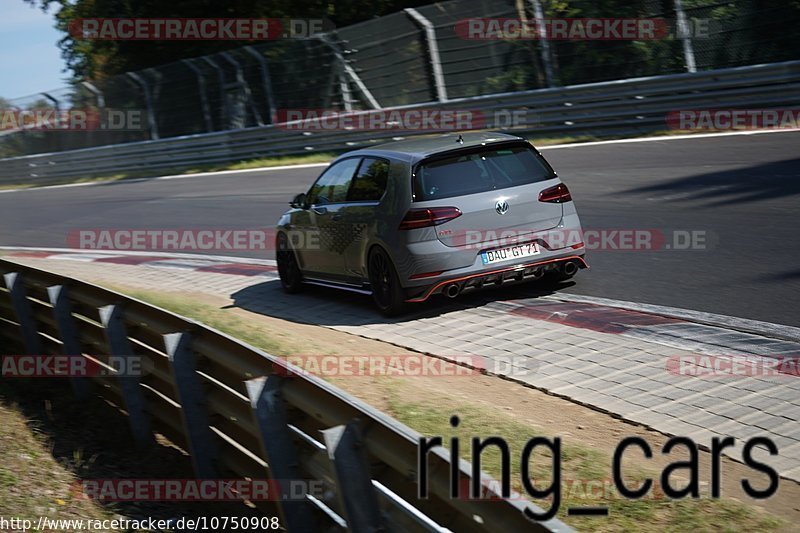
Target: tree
[(97, 59)]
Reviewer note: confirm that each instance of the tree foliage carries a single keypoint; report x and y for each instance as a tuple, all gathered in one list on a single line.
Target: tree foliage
[(97, 59)]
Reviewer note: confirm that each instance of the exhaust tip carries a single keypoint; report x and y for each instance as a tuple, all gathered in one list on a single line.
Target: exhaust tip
[(452, 290), (570, 268)]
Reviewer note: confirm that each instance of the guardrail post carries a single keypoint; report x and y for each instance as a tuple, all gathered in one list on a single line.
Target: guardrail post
[(196, 423), (346, 451), (278, 448), (117, 336), (62, 312), (22, 309)]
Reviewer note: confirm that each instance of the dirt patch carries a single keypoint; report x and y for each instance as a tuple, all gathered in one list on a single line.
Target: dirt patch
[(550, 415), (534, 412)]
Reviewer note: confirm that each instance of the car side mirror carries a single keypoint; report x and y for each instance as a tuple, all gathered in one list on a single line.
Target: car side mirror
[(299, 201)]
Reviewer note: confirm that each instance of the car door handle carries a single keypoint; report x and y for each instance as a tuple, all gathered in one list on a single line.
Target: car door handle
[(320, 210), (337, 216)]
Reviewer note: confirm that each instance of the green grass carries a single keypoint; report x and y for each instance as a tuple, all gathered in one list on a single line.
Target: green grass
[(305, 159), (32, 482), (241, 165), (577, 139), (213, 317), (281, 161), (578, 462)]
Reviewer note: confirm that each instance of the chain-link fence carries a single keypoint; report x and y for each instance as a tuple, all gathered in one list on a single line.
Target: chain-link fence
[(418, 55)]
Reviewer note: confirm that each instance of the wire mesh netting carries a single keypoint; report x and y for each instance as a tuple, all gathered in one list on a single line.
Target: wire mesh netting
[(409, 57)]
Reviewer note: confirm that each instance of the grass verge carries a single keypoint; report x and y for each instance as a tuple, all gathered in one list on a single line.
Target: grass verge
[(580, 464), (241, 165), (33, 482), (322, 157)]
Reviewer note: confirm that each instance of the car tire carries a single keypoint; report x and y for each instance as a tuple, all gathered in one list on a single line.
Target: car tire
[(288, 269), (386, 290)]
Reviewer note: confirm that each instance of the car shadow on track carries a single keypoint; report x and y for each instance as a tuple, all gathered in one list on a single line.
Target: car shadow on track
[(330, 307)]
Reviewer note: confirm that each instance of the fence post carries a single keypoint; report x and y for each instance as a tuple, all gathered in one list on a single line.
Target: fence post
[(278, 448), (685, 35), (22, 309), (243, 86), (433, 52), (348, 70), (194, 412), (266, 80), (117, 336), (201, 88), (223, 108), (346, 451), (148, 101), (62, 312), (544, 39)]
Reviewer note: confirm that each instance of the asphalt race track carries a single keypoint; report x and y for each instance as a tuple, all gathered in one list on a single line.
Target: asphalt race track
[(742, 191)]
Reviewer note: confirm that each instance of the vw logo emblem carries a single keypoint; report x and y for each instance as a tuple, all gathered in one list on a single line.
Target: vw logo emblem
[(501, 207)]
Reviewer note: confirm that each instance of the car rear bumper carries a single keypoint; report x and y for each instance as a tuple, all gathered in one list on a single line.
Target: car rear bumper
[(494, 276)]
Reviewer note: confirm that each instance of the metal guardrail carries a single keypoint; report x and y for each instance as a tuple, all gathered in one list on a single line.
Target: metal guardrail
[(628, 106), (238, 413)]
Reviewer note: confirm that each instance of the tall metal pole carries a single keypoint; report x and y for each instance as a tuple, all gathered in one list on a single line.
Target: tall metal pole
[(223, 101), (148, 101), (684, 34), (266, 80), (433, 52), (541, 30), (201, 87)]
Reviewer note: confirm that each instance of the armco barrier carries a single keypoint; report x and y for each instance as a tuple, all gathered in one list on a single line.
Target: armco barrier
[(626, 107), (238, 417)]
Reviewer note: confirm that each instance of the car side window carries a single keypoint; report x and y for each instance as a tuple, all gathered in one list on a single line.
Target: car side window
[(370, 181), (332, 186)]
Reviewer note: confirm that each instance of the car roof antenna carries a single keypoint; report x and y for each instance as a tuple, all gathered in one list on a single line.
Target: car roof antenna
[(460, 139)]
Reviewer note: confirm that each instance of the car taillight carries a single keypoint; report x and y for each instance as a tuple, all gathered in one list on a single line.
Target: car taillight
[(555, 195), (429, 216)]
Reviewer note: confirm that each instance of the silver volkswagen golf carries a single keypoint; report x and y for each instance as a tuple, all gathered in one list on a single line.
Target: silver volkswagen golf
[(442, 214)]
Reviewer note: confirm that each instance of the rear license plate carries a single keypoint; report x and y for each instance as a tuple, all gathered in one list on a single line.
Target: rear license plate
[(509, 253)]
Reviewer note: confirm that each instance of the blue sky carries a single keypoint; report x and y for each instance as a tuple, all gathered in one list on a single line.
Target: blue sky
[(30, 60)]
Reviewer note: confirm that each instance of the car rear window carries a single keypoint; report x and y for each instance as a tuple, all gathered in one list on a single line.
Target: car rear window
[(479, 171)]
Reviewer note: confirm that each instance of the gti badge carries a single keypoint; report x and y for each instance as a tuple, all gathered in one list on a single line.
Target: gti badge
[(501, 207)]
